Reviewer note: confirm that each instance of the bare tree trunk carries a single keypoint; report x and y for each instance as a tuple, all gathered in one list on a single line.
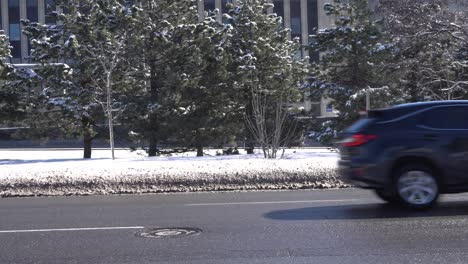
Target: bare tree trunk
[(199, 151), (111, 135), (250, 138), (153, 122), (250, 146), (153, 147), (268, 120), (109, 113), (87, 137), (413, 88), (87, 143)]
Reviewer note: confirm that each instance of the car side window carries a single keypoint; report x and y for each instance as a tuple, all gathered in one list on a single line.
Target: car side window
[(449, 117)]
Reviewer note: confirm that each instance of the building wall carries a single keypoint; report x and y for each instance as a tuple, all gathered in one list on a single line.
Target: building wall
[(11, 12)]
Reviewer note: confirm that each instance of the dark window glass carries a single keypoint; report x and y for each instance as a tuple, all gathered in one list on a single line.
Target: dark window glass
[(209, 5), (14, 27), (296, 19), (16, 51), (50, 8), (278, 8), (312, 24), (13, 11), (32, 15), (451, 117), (315, 109), (32, 10), (15, 32)]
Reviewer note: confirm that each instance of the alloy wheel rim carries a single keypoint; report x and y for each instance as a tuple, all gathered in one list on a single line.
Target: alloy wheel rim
[(417, 187)]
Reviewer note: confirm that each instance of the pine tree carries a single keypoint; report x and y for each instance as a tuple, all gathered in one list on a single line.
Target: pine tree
[(268, 72), (106, 48), (427, 37), (89, 38), (159, 30), (205, 112), (351, 64), (10, 95)]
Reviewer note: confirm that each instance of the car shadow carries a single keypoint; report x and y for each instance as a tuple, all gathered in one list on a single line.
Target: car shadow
[(367, 211), (20, 161)]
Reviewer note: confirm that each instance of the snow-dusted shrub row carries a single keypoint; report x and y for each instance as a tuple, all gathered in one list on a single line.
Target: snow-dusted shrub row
[(173, 174)]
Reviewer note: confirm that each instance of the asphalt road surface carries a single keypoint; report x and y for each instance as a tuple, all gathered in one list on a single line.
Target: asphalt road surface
[(332, 226)]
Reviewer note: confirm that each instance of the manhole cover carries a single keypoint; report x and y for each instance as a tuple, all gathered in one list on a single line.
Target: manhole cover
[(169, 232)]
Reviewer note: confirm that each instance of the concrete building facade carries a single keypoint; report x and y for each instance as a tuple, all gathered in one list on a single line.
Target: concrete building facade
[(11, 13)]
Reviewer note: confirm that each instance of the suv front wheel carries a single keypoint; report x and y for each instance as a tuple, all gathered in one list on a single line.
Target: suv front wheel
[(416, 186)]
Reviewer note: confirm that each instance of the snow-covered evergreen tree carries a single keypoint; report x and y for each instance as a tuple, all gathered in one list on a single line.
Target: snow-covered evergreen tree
[(268, 74), (205, 112), (106, 49), (89, 38), (427, 37), (161, 35), (351, 64), (8, 97), (11, 97)]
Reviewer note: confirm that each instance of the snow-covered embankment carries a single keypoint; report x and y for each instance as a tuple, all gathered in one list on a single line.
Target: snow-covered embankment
[(29, 173)]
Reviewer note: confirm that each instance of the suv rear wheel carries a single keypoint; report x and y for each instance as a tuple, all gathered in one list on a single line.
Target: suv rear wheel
[(416, 186)]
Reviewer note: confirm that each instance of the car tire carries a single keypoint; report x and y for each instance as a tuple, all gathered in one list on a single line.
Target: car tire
[(416, 186), (386, 196)]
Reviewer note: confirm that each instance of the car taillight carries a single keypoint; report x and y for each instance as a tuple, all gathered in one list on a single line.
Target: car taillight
[(357, 140)]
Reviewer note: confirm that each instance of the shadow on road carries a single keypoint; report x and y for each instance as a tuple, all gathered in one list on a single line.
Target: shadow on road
[(367, 211)]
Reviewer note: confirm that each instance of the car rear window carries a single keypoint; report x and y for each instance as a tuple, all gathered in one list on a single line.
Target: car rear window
[(360, 124), (448, 117)]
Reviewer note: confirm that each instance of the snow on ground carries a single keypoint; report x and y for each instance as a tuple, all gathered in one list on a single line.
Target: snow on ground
[(64, 172)]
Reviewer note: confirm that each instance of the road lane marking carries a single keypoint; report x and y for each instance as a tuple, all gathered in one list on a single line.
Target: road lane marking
[(72, 229), (273, 202)]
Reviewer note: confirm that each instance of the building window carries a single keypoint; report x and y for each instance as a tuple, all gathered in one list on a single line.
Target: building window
[(14, 27), (209, 5), (296, 19), (312, 23), (50, 8), (278, 9), (32, 12)]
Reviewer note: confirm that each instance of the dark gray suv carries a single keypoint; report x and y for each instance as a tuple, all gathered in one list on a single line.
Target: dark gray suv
[(409, 153)]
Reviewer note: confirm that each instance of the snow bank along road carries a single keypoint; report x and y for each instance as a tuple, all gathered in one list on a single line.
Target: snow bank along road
[(63, 172)]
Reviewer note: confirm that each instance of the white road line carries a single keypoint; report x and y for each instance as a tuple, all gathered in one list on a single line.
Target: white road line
[(72, 229), (273, 202)]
